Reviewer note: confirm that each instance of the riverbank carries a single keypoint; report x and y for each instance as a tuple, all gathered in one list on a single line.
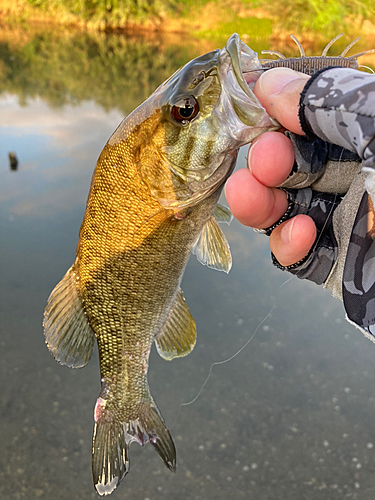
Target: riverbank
[(214, 19), (59, 63)]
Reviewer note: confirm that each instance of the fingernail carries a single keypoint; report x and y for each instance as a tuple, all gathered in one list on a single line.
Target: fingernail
[(272, 82), (286, 231), (251, 151)]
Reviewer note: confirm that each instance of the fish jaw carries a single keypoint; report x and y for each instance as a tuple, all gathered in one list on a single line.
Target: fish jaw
[(244, 117), (197, 155), (236, 120)]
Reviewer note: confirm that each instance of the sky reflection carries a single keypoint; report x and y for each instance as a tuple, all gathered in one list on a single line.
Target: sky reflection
[(290, 417), (57, 151)]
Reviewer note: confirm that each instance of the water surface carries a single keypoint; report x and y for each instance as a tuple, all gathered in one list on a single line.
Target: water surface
[(291, 417)]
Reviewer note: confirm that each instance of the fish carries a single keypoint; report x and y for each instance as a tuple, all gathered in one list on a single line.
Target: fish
[(153, 201)]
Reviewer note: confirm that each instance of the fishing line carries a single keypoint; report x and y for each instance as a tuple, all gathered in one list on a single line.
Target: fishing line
[(225, 361), (216, 363), (238, 351), (228, 359), (286, 282)]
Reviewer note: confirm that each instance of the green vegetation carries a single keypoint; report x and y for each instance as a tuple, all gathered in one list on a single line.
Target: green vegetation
[(115, 71), (203, 17), (67, 66), (322, 16), (105, 13), (246, 27)]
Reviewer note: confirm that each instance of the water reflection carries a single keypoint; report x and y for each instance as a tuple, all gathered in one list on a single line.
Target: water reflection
[(117, 72), (290, 417)]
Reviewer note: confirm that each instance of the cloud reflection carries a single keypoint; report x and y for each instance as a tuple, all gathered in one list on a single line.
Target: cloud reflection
[(57, 151)]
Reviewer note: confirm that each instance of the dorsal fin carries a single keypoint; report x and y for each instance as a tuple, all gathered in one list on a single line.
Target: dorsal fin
[(178, 335), (212, 248), (69, 336)]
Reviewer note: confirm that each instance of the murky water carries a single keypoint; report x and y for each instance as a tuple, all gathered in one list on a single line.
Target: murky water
[(291, 417)]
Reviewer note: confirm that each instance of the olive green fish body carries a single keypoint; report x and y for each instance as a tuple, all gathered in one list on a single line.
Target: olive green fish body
[(133, 282), (130, 259), (153, 201)]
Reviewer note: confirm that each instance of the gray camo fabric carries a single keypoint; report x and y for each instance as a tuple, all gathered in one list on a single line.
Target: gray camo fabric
[(336, 187)]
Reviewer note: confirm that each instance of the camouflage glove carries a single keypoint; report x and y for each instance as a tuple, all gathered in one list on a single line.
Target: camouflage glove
[(338, 106)]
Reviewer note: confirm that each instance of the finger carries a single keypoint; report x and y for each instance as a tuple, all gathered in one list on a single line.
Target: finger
[(253, 203), (271, 158), (291, 241), (279, 91)]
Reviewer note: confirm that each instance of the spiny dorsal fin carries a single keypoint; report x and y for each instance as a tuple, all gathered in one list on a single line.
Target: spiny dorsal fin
[(69, 336), (178, 335), (222, 214), (212, 248)]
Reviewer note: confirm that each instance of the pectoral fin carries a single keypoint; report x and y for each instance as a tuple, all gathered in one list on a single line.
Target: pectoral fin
[(212, 248), (222, 214), (69, 336), (178, 335)]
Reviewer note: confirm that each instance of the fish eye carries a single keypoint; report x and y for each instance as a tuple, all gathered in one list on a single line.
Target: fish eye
[(185, 110)]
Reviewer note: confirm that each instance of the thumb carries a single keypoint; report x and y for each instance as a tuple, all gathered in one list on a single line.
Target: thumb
[(279, 91)]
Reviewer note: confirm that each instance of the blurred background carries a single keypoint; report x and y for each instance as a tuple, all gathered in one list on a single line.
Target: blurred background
[(292, 416)]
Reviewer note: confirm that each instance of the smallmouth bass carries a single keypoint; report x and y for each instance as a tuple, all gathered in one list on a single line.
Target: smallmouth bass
[(153, 201)]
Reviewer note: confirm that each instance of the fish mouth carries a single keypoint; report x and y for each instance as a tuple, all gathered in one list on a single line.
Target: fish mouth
[(241, 68), (244, 62)]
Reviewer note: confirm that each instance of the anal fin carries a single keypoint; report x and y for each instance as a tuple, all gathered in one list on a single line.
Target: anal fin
[(68, 334), (178, 336)]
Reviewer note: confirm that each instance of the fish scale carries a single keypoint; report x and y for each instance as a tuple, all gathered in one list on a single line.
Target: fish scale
[(152, 202)]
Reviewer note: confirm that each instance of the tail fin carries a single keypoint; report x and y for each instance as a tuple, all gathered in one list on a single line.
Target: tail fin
[(152, 427), (110, 459), (112, 438)]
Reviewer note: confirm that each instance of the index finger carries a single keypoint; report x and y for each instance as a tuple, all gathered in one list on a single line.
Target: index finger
[(279, 91)]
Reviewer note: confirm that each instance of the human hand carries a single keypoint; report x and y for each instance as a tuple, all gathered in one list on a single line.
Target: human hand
[(251, 193)]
